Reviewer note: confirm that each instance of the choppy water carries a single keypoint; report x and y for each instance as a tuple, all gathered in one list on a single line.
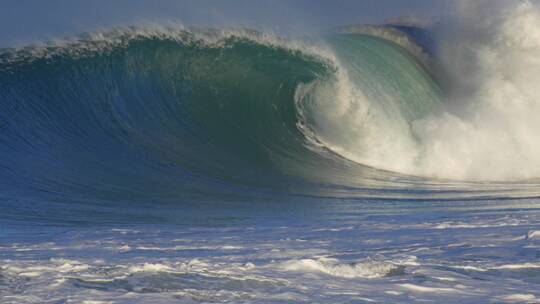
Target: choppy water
[(315, 251)]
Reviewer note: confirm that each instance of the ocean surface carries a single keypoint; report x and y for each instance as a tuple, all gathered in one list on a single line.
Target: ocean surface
[(175, 165)]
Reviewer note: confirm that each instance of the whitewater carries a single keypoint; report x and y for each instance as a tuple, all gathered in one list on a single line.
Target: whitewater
[(173, 164)]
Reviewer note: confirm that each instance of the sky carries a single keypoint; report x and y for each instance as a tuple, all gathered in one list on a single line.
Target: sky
[(26, 21)]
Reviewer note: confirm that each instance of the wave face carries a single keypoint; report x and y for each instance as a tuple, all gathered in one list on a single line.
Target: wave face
[(149, 112), (179, 114)]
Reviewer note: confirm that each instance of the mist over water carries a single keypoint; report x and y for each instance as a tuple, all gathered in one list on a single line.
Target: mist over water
[(492, 132), (486, 127)]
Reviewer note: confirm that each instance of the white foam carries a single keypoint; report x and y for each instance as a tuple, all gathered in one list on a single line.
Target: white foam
[(533, 235), (333, 267), (22, 299), (490, 129), (55, 266), (519, 298), (448, 279), (230, 247), (493, 132), (249, 266), (148, 267), (518, 266), (459, 225), (470, 268), (124, 248), (424, 289)]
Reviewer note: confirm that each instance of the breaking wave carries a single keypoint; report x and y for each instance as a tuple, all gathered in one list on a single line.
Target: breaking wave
[(174, 112)]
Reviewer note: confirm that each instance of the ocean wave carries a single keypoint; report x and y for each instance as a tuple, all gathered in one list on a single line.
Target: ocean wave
[(172, 113)]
